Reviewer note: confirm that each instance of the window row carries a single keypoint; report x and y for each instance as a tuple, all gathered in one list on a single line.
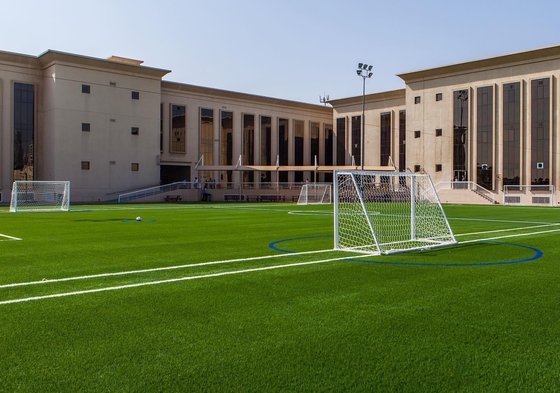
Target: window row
[(135, 95), (134, 167), (418, 168), (86, 127)]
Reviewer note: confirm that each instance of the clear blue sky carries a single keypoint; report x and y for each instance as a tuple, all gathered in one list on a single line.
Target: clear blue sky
[(296, 50)]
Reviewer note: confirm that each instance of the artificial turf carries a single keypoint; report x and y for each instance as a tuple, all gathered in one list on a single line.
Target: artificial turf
[(479, 316)]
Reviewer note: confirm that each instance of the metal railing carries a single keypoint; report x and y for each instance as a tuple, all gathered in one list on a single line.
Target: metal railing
[(466, 185), (130, 196)]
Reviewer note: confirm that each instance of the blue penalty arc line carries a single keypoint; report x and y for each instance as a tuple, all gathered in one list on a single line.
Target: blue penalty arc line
[(536, 255)]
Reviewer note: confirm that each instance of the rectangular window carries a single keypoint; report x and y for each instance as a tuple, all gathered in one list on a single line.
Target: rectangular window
[(460, 133), (385, 142), (511, 134), (417, 134), (207, 139), (439, 96), (298, 148), (24, 131), (417, 100), (341, 141), (178, 130), (85, 89), (134, 130), (248, 146), (161, 126), (438, 167), (402, 141), (226, 144), (86, 127), (266, 147), (135, 95), (283, 143), (485, 136), (314, 135), (85, 165), (134, 167), (329, 146), (416, 168), (439, 131), (357, 139), (540, 131)]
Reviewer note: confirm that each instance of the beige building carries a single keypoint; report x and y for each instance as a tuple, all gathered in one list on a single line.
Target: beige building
[(113, 125)]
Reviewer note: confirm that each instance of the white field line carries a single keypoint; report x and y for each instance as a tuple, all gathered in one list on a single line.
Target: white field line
[(158, 269), (507, 230), (508, 236), (258, 269), (9, 237), (508, 221)]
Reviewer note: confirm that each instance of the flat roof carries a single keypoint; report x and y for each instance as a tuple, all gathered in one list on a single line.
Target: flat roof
[(529, 56)]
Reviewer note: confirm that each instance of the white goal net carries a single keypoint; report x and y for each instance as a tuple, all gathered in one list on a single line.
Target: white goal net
[(530, 195), (314, 194), (40, 196), (386, 212)]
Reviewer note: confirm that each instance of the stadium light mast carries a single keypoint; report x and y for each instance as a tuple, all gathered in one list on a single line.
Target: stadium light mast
[(364, 71)]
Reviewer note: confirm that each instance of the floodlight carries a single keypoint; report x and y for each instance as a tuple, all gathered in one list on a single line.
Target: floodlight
[(359, 72), (360, 65)]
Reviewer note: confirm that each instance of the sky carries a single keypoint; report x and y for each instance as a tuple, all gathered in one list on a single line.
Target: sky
[(297, 50)]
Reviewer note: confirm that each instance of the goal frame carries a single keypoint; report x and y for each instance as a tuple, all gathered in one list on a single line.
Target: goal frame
[(40, 196), (324, 196), (388, 212)]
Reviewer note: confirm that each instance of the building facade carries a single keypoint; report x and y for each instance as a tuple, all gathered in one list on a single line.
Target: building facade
[(113, 125)]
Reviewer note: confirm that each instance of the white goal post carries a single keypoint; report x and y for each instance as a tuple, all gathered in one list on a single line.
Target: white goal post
[(530, 195), (40, 196), (387, 212), (315, 193)]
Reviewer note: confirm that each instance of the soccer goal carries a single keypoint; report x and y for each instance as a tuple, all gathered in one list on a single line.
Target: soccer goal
[(40, 196), (387, 212), (530, 195), (314, 194)]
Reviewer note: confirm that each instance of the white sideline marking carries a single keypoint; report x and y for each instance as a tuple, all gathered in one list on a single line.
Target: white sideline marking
[(508, 236), (506, 230), (258, 269), (9, 237), (157, 269)]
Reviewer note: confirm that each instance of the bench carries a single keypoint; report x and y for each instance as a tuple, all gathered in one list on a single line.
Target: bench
[(295, 198), (254, 198), (173, 198), (273, 198), (234, 197)]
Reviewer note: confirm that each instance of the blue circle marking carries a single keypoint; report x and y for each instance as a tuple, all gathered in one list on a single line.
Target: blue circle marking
[(536, 255)]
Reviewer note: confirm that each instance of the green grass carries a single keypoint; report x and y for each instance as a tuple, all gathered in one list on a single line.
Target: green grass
[(479, 316)]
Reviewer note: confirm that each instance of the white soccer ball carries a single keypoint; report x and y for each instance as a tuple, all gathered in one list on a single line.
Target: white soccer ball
[(138, 218)]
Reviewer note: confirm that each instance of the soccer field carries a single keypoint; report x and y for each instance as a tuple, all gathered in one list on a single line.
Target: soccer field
[(241, 297)]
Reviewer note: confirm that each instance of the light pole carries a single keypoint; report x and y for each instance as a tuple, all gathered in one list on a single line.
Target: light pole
[(364, 71)]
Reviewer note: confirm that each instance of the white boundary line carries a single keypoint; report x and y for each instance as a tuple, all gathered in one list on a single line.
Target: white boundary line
[(258, 269), (157, 269), (507, 230), (508, 236), (9, 237)]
